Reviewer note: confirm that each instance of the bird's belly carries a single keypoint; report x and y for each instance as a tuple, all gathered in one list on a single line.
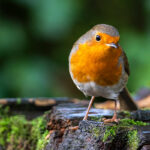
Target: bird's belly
[(110, 92)]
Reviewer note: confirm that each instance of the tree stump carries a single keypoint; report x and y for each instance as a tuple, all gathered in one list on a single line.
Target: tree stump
[(131, 133)]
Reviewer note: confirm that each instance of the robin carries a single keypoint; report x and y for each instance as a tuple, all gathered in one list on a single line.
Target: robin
[(99, 67)]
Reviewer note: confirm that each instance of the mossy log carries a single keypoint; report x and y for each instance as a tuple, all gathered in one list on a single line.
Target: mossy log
[(17, 132), (131, 133)]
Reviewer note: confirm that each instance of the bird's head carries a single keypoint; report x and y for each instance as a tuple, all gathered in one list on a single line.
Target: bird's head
[(106, 35), (101, 35)]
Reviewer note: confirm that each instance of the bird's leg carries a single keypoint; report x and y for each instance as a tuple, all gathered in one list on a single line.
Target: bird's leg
[(114, 118), (86, 115), (89, 107)]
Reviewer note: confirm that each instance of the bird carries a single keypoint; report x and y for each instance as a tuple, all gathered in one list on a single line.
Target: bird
[(99, 68)]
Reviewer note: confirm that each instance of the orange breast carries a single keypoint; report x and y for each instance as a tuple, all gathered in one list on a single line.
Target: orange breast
[(95, 62)]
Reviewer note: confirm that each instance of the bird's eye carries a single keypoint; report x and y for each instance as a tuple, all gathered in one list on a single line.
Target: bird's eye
[(98, 38)]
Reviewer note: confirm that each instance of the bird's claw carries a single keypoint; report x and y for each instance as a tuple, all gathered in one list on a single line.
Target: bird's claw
[(110, 120)]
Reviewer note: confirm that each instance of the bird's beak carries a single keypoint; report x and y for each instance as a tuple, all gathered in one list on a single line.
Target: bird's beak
[(112, 45)]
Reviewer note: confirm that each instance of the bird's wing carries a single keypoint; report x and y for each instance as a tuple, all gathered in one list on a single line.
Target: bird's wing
[(126, 64)]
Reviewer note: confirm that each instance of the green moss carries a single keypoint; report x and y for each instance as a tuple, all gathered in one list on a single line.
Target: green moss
[(125, 113), (96, 131), (13, 131), (96, 118), (111, 131), (41, 143), (18, 133), (39, 133), (131, 122), (133, 139), (4, 111)]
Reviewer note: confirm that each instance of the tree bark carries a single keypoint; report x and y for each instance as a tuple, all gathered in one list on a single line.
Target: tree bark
[(94, 134)]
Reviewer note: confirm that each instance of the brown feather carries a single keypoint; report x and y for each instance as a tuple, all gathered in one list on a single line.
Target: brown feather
[(126, 64), (125, 99)]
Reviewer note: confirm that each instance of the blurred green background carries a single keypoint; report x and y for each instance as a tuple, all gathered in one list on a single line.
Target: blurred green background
[(36, 37)]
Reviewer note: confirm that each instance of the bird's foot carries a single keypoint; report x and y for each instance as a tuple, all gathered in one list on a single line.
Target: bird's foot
[(113, 119), (110, 120), (74, 128)]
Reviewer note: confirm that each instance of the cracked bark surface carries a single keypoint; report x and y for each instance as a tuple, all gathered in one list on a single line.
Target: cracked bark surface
[(90, 135)]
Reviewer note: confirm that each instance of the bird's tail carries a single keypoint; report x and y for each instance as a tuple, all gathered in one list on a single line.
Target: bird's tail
[(126, 101)]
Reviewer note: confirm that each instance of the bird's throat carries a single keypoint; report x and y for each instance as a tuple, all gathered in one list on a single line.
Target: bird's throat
[(97, 63)]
